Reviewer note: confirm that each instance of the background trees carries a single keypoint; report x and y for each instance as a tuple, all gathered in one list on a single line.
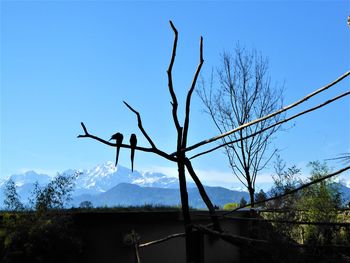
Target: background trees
[(55, 195), (12, 199), (319, 204), (322, 202), (243, 93)]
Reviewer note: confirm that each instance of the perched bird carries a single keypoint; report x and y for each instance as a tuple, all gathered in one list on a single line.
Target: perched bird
[(133, 142), (118, 137)]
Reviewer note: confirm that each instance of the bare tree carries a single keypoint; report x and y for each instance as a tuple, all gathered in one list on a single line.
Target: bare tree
[(243, 93)]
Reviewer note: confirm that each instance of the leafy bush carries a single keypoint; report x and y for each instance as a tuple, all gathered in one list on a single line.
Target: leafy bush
[(230, 206)]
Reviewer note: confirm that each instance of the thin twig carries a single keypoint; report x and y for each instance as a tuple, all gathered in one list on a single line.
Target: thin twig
[(233, 239), (139, 123), (266, 116), (289, 221), (84, 128), (170, 79), (189, 94), (161, 240), (273, 125)]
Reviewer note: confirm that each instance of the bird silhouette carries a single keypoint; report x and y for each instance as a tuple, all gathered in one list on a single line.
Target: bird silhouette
[(133, 142), (118, 137)]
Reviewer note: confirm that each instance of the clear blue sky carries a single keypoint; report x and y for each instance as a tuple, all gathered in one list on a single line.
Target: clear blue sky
[(63, 62)]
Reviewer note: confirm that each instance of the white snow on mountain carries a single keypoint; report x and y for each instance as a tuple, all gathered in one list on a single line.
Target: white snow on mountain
[(105, 176)]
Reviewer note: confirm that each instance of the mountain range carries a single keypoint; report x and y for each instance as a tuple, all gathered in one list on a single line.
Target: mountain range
[(107, 185)]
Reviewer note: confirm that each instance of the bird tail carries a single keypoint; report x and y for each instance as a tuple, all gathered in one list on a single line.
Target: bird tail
[(117, 157), (132, 159)]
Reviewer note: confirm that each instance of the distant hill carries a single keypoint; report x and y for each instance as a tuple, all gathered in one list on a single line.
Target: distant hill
[(125, 194)]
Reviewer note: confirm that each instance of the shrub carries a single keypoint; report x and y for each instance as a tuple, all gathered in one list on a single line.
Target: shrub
[(230, 206)]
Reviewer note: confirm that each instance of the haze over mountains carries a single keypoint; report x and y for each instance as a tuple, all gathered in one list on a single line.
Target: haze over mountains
[(107, 185)]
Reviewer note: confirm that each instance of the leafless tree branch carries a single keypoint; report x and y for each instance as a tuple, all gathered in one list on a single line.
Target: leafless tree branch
[(161, 240), (303, 186), (142, 149), (139, 123), (294, 104), (170, 79), (233, 239), (189, 94), (292, 222), (273, 125), (203, 194)]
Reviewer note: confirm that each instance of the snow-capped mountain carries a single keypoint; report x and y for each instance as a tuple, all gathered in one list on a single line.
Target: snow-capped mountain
[(105, 176)]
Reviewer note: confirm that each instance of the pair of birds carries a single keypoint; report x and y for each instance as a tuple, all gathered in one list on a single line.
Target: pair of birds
[(118, 137)]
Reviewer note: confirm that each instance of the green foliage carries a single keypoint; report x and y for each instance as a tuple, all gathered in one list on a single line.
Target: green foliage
[(230, 206), (12, 199)]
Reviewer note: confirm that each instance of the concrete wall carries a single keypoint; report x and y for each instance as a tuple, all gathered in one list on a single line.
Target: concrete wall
[(104, 234)]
